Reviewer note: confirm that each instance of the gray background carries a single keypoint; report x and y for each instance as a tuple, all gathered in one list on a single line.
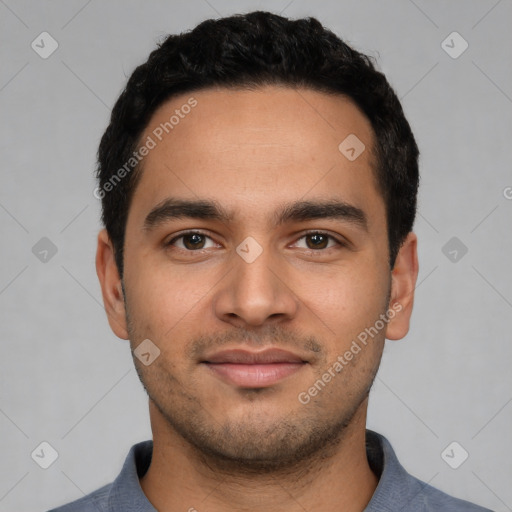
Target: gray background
[(66, 379)]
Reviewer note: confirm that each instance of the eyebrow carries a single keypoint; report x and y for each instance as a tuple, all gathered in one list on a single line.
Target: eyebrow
[(299, 211)]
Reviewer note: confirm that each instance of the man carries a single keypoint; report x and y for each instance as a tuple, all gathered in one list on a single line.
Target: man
[(258, 182)]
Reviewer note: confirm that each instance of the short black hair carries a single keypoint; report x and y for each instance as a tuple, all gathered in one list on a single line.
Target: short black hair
[(247, 51)]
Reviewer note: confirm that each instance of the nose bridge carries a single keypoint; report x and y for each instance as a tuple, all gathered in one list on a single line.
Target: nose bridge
[(255, 272), (254, 290)]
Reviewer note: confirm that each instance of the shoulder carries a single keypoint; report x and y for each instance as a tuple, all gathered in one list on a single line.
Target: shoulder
[(398, 490), (124, 492), (426, 498), (94, 502)]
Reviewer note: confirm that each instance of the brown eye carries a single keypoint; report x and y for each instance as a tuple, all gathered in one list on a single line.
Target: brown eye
[(191, 241), (318, 241)]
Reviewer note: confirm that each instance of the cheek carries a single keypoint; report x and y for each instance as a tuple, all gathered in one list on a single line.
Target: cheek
[(164, 299), (355, 290), (348, 302)]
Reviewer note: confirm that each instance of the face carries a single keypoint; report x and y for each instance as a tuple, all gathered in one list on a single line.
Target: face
[(282, 246)]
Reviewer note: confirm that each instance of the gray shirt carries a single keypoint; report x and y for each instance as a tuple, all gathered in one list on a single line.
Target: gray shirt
[(397, 490)]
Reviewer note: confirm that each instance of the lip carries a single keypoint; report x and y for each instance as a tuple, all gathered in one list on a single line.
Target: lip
[(249, 369), (241, 356)]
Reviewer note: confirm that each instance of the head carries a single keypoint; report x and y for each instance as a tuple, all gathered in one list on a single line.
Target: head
[(289, 155)]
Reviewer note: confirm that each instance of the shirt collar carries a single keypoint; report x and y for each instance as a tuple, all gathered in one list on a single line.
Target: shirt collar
[(395, 484), (126, 493)]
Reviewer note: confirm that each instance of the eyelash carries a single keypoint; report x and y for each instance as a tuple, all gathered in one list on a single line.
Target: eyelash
[(308, 233)]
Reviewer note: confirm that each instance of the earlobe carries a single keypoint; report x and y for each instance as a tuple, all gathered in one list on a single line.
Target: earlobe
[(403, 283), (111, 286)]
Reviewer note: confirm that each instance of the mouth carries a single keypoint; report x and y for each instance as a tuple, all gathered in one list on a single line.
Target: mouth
[(249, 369)]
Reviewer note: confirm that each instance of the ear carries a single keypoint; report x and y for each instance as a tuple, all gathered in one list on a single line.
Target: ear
[(403, 283), (111, 288)]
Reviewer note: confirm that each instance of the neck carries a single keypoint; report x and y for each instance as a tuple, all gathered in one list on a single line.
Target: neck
[(181, 478)]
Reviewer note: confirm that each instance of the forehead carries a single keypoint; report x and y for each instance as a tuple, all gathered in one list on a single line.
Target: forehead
[(252, 147)]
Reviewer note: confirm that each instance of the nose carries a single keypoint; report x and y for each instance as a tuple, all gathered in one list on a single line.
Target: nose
[(255, 291)]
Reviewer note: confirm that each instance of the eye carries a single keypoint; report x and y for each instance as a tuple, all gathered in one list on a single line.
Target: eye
[(319, 241), (190, 241)]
